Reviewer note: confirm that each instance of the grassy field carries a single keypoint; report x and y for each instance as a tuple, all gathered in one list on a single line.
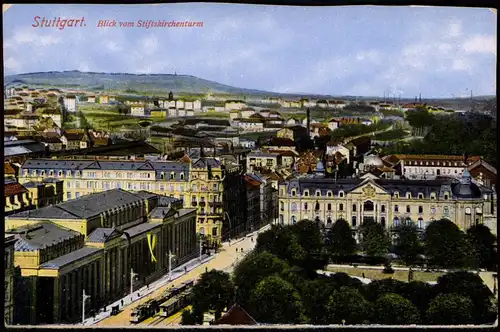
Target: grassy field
[(107, 117), (377, 274), (391, 135)]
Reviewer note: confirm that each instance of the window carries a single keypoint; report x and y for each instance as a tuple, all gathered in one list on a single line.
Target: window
[(479, 210), (294, 192), (294, 207), (317, 206), (468, 210), (162, 175), (194, 187), (329, 207), (433, 210), (68, 184), (305, 206), (354, 206), (329, 194), (382, 221), (420, 196), (420, 223), (408, 209), (77, 195), (329, 220), (395, 222), (341, 207), (420, 209), (446, 195), (282, 206), (353, 221), (214, 231), (34, 173), (51, 173), (182, 176), (341, 194), (396, 208), (294, 219), (396, 194), (382, 208), (433, 195), (408, 195), (446, 211), (69, 196), (306, 193), (318, 193), (172, 175), (60, 173)]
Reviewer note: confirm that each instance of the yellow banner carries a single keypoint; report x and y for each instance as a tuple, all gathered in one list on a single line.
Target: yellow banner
[(152, 239)]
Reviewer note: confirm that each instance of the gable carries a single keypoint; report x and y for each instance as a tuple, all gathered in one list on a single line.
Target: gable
[(368, 189), (94, 165), (146, 167)]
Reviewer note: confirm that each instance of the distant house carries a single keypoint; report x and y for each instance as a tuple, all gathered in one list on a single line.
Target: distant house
[(91, 99), (304, 121), (247, 143), (230, 105), (278, 143), (483, 173), (333, 124), (54, 142), (293, 122), (236, 315), (234, 114), (322, 103), (70, 103), (248, 112), (103, 99), (334, 146), (77, 139), (285, 133), (250, 124), (318, 129), (137, 110)]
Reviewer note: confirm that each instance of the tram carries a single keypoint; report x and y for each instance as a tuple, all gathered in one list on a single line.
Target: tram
[(143, 311)]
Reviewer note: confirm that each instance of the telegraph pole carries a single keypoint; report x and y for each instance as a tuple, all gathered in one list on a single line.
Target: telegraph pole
[(85, 297), (132, 275)]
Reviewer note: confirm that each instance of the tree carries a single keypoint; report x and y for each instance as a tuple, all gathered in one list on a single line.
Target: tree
[(419, 293), (340, 241), (315, 295), (349, 306), (252, 270), (378, 288), (310, 238), (450, 309), (446, 245), (470, 285), (407, 243), (276, 301), (214, 291), (189, 317), (282, 242), (483, 244), (374, 239), (393, 309)]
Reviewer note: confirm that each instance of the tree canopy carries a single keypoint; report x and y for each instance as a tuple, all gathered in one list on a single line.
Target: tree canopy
[(393, 309), (407, 243), (213, 291), (374, 239), (446, 245), (483, 245), (450, 309), (340, 240), (276, 301), (348, 306)]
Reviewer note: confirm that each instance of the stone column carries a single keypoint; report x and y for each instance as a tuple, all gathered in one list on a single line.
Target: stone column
[(33, 311)]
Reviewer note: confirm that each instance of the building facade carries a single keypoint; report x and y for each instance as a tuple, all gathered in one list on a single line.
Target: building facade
[(94, 244), (385, 201)]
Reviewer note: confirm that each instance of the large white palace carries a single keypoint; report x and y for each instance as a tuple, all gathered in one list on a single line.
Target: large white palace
[(388, 202)]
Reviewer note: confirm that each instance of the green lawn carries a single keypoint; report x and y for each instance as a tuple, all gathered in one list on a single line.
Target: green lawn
[(107, 117), (377, 274)]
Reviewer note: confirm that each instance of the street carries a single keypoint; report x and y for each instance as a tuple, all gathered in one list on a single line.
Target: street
[(224, 260)]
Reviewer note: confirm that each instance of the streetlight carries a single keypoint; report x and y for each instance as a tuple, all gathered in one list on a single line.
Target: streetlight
[(85, 297), (201, 240), (170, 256), (132, 275)]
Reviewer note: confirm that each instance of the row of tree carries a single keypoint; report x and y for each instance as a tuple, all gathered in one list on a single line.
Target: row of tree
[(278, 284), (442, 243)]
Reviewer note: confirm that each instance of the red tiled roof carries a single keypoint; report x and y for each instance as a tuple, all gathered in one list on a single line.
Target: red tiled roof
[(12, 189), (236, 316)]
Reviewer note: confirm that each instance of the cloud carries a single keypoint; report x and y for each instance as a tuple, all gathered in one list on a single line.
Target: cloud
[(12, 64), (481, 44)]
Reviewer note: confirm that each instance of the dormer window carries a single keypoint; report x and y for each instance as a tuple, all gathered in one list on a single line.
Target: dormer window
[(77, 173), (60, 173), (318, 193), (162, 175), (433, 195), (172, 175), (420, 196), (468, 210), (34, 173), (329, 193), (408, 195), (396, 194), (341, 194), (294, 192), (182, 176), (446, 195), (306, 193)]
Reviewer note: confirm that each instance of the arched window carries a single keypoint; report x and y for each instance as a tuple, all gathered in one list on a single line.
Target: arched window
[(446, 195), (408, 209), (420, 209), (420, 196), (433, 195), (294, 219), (294, 192), (408, 195), (396, 208), (305, 206), (354, 208), (329, 193), (420, 223), (341, 194), (341, 207), (396, 221), (329, 207), (368, 206), (396, 194), (479, 210), (446, 210), (468, 210), (306, 193), (317, 206), (329, 220), (318, 193), (353, 221), (433, 210), (294, 207), (282, 206), (382, 208)]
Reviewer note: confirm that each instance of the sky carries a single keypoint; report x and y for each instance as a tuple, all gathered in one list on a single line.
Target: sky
[(439, 52)]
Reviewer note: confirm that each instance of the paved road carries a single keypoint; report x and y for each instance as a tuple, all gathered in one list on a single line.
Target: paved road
[(224, 260)]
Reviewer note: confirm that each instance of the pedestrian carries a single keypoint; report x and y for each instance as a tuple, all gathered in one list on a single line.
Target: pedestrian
[(229, 242), (185, 269), (363, 274), (241, 249), (251, 239), (206, 269), (122, 302), (236, 249)]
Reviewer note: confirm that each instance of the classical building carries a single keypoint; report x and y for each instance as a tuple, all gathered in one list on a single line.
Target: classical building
[(429, 166), (93, 244), (385, 201), (235, 203), (9, 279), (206, 195)]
